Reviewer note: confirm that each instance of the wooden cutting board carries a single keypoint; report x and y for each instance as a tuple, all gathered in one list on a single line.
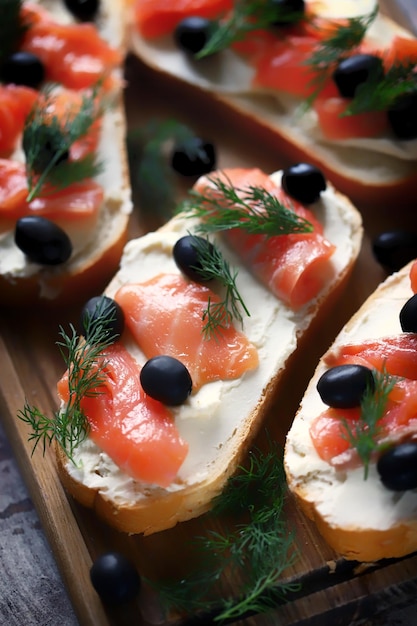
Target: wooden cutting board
[(332, 590)]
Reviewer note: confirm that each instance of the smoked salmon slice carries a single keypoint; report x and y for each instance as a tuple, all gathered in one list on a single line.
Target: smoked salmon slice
[(137, 432), (294, 267), (397, 355), (165, 316), (74, 55), (75, 203), (16, 104), (155, 18)]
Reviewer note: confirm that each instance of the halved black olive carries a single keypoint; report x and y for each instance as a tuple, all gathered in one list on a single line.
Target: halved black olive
[(192, 33), (84, 10), (166, 379), (105, 309), (394, 249), (193, 157), (23, 68), (355, 70), (397, 467), (303, 182), (343, 386)]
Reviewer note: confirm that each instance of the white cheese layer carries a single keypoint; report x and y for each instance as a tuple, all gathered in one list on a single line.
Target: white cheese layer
[(344, 498), (213, 420), (229, 74)]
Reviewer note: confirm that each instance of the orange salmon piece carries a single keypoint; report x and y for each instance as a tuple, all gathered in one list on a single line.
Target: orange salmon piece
[(74, 55), (294, 267), (16, 103), (80, 201), (154, 18), (413, 277), (328, 432), (335, 125), (164, 315), (137, 432)]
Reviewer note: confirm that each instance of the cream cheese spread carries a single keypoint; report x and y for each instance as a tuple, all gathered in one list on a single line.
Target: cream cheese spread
[(214, 420)]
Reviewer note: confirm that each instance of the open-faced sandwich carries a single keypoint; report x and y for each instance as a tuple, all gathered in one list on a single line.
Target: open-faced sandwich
[(174, 368), (65, 195), (331, 83), (351, 453)]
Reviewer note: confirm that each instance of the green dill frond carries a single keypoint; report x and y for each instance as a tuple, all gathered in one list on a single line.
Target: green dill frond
[(85, 362), (213, 266), (363, 436), (379, 93), (247, 16), (255, 552), (345, 39), (47, 141), (153, 186), (253, 209)]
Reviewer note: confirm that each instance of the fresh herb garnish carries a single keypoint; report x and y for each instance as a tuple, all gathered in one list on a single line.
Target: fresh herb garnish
[(363, 436), (255, 552), (378, 94), (150, 172), (253, 209), (48, 139), (345, 38), (12, 27), (85, 363), (213, 266), (246, 17)]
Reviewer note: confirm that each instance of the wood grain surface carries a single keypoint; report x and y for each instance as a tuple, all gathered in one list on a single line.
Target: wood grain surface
[(48, 542)]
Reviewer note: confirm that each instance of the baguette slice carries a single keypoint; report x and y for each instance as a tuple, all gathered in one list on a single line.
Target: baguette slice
[(376, 172), (221, 419), (96, 257), (360, 519)]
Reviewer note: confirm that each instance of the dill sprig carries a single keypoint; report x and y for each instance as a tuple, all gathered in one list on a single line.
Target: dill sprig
[(213, 266), (363, 436), (47, 141), (380, 92), (85, 363), (12, 27), (246, 16), (256, 551), (150, 172), (331, 50), (252, 209)]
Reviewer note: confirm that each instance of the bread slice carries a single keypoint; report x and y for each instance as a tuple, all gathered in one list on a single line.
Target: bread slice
[(373, 172), (360, 519), (221, 419), (95, 258)]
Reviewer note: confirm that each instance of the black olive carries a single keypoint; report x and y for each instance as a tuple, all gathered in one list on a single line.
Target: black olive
[(288, 11), (343, 386), (397, 467), (23, 68), (108, 311), (115, 578), (84, 10), (394, 249), (303, 182), (408, 315), (402, 116), (193, 157), (355, 70), (187, 257), (42, 241), (192, 33), (166, 379)]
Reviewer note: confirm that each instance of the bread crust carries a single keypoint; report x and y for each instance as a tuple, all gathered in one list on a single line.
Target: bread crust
[(87, 272), (369, 179), (158, 509), (314, 482)]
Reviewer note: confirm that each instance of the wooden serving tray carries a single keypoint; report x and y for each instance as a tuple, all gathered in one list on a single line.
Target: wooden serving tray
[(332, 591)]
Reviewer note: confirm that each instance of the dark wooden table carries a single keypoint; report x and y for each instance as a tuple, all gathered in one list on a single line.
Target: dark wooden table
[(32, 592)]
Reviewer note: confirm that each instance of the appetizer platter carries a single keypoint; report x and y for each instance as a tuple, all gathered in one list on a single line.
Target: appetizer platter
[(311, 582)]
